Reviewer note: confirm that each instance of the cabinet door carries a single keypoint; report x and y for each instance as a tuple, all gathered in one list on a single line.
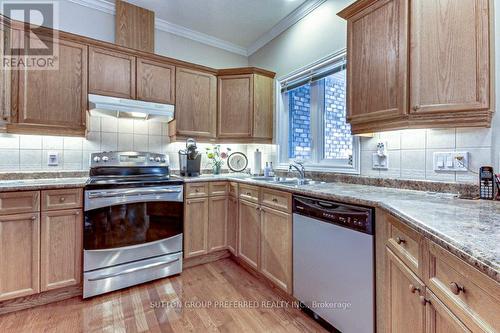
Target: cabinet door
[(232, 225), (377, 62), (196, 103), (263, 107), (439, 319), (19, 255), (61, 249), (249, 233), (450, 56), (195, 227), (217, 222), (235, 112), (155, 81), (276, 247), (111, 73), (405, 312), (54, 101)]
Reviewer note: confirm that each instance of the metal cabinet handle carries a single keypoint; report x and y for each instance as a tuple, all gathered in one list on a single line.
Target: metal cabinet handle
[(414, 289), (197, 190), (424, 301), (275, 200), (33, 218), (249, 193), (132, 270), (416, 108), (77, 213), (456, 288), (62, 199), (400, 240)]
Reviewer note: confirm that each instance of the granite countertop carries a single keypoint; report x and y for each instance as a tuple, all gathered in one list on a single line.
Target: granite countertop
[(41, 184), (468, 228)]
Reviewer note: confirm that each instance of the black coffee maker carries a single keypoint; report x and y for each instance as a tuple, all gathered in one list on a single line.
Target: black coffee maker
[(190, 159)]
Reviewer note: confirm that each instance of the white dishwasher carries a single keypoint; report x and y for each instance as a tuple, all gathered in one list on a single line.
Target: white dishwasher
[(333, 263)]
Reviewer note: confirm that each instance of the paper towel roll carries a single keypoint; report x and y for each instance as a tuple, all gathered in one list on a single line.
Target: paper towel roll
[(257, 162)]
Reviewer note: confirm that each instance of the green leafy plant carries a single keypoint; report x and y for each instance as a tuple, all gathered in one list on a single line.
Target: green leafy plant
[(216, 156)]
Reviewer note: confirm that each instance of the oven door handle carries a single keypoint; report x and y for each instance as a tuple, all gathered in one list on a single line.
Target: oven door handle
[(132, 270), (130, 193)]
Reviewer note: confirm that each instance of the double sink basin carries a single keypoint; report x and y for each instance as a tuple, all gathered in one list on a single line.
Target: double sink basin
[(286, 181)]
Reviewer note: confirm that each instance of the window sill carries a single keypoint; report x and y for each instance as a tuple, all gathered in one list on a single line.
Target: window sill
[(322, 168)]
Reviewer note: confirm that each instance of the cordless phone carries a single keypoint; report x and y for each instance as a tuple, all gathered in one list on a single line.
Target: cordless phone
[(486, 183)]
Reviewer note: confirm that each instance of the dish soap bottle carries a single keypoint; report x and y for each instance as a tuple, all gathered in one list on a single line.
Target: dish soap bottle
[(266, 170), (271, 170)]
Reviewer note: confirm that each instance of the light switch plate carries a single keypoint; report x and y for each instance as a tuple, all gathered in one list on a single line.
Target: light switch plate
[(52, 158), (451, 161)]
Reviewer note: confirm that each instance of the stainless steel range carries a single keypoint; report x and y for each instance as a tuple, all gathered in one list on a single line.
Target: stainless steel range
[(133, 221)]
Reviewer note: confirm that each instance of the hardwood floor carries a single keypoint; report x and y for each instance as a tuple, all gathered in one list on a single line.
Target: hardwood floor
[(200, 289)]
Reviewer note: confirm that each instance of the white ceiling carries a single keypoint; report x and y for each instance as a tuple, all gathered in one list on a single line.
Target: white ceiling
[(240, 22)]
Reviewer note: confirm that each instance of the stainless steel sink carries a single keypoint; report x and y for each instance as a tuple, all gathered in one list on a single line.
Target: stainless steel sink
[(285, 180)]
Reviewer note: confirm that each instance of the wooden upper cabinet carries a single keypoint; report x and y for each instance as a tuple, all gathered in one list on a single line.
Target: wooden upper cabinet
[(111, 73), (235, 110), (155, 81), (61, 248), (424, 65), (53, 101), (245, 107), (19, 255), (450, 56), (196, 104), (377, 68)]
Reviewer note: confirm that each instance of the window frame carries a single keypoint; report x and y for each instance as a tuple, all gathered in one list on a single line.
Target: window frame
[(317, 162)]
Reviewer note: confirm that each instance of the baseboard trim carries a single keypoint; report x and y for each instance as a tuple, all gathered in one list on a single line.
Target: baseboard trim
[(205, 258), (26, 302)]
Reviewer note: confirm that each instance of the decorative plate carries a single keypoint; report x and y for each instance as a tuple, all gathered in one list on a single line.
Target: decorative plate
[(237, 162)]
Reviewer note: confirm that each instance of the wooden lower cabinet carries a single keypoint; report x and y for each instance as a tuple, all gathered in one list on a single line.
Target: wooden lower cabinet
[(61, 249), (439, 319), (217, 223), (195, 227), (405, 312), (232, 225), (19, 255), (276, 247), (249, 233)]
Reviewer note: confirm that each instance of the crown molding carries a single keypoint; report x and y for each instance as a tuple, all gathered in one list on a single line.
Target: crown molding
[(175, 29), (169, 27), (292, 18)]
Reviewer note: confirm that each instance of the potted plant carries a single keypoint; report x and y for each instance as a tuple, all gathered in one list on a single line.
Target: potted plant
[(216, 158)]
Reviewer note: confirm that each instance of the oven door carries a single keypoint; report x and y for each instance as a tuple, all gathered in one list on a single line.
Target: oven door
[(129, 217)]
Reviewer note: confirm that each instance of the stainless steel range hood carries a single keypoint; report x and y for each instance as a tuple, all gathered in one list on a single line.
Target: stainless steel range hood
[(129, 108)]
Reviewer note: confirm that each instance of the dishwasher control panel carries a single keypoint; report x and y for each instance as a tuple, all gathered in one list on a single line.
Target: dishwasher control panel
[(349, 216)]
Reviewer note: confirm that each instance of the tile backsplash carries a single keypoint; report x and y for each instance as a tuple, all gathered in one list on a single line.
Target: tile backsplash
[(411, 153)]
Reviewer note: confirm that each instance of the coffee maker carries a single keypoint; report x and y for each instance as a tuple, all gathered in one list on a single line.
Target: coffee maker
[(190, 159)]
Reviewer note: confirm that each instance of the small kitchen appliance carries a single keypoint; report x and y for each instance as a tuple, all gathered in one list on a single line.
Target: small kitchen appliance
[(190, 159), (133, 221)]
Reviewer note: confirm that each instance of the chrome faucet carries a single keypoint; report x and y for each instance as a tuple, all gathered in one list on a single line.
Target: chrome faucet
[(300, 169)]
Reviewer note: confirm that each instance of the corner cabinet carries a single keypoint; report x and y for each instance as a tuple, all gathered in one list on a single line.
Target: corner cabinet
[(52, 101), (245, 106), (418, 64), (196, 105)]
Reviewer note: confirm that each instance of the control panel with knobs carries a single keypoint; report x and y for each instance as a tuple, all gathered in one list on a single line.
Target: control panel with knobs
[(128, 159)]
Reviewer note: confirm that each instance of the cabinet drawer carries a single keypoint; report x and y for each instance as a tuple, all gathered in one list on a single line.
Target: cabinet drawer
[(250, 193), (19, 202), (233, 189), (277, 199), (472, 296), (217, 188), (62, 199), (406, 243), (196, 190)]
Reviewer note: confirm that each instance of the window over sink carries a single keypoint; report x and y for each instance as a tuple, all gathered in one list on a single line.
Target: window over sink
[(312, 124)]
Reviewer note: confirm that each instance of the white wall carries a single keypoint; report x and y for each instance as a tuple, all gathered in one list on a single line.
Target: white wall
[(99, 25), (410, 151)]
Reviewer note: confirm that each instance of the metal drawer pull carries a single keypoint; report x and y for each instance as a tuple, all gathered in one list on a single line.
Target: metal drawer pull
[(456, 288), (400, 240), (130, 193), (275, 200), (62, 199), (424, 301), (132, 270), (249, 193), (414, 289)]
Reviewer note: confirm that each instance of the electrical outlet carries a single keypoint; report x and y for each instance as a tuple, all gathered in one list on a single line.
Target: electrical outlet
[(380, 162), (451, 161), (52, 158)]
